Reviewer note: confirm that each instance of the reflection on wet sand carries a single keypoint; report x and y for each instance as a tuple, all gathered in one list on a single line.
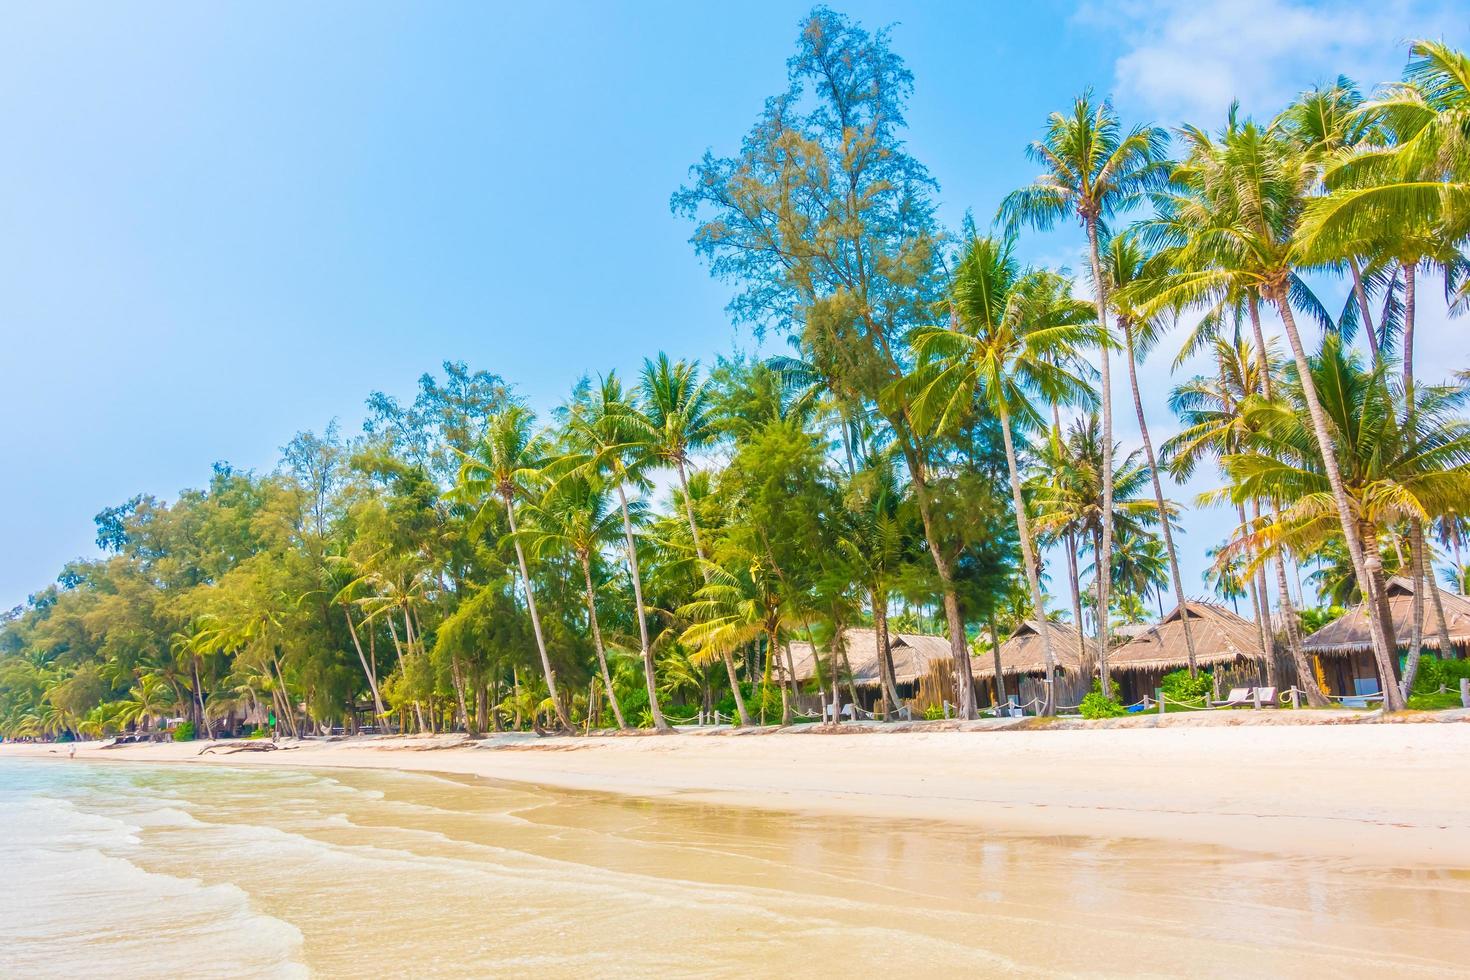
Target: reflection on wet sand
[(350, 872)]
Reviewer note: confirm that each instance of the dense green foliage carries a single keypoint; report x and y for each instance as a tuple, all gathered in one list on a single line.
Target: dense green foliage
[(649, 550)]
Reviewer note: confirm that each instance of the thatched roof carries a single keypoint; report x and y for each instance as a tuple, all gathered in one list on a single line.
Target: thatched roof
[(1220, 637), (1022, 653), (913, 653), (1348, 634)]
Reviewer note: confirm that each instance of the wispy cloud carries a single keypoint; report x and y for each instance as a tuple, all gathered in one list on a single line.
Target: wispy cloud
[(1192, 58)]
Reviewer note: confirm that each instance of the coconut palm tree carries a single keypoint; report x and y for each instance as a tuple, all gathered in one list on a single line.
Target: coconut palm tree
[(1390, 474), (679, 420), (736, 609), (1093, 169), (150, 698), (1236, 205), (1125, 265), (577, 517), (1068, 501), (502, 469), (1006, 326), (1209, 406), (608, 439)]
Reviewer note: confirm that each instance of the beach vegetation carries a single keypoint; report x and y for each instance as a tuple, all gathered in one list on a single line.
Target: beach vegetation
[(920, 439)]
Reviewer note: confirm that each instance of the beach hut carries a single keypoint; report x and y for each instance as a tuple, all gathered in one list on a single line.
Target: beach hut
[(1224, 643), (1023, 664), (914, 655), (1342, 651)]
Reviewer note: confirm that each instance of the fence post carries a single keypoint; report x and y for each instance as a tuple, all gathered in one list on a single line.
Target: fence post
[(1465, 691), (1159, 694), (1296, 701), (1255, 697)]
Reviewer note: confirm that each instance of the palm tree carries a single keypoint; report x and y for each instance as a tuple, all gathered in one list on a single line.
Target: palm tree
[(1391, 474), (1237, 203), (678, 415), (1068, 500), (1007, 326), (1210, 408), (1421, 174), (874, 547), (608, 440), (1094, 169), (1126, 265), (577, 516), (501, 469), (734, 610), (150, 698)]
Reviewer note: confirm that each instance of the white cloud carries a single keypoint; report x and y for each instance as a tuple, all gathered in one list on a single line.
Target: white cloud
[(1191, 58)]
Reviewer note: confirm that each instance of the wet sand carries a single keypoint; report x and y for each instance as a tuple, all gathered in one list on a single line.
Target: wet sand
[(1370, 796)]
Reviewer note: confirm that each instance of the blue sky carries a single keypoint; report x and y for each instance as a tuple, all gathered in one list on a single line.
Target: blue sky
[(224, 223)]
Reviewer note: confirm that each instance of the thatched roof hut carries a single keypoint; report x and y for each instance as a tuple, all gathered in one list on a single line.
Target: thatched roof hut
[(913, 654), (1348, 634), (1220, 638), (1022, 654)]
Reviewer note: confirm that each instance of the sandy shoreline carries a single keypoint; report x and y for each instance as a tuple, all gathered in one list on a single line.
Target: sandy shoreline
[(1377, 795)]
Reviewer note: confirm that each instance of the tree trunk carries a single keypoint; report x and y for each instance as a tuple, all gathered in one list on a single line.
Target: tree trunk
[(1000, 680), (1382, 649), (1153, 470), (704, 571), (199, 697), (659, 724), (1104, 561), (1306, 678), (464, 711), (1416, 615), (1361, 295), (958, 649), (372, 678), (1028, 560), (885, 652), (1084, 659), (547, 672), (597, 643)]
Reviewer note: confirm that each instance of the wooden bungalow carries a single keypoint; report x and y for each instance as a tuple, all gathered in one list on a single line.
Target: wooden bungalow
[(1023, 665), (1225, 643), (1342, 652), (914, 655)]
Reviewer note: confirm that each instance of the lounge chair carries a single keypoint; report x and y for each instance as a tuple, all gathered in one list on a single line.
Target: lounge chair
[(1239, 696), (1267, 696)]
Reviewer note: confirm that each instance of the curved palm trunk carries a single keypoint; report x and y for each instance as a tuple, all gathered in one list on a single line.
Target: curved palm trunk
[(547, 672), (1416, 616), (1028, 559), (1105, 554), (1000, 680), (1382, 649), (885, 653), (1306, 678), (699, 553), (1164, 523), (1074, 582), (372, 677), (954, 622), (659, 724), (1361, 295), (597, 643)]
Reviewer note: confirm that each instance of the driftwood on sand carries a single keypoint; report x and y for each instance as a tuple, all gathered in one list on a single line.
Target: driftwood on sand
[(261, 746)]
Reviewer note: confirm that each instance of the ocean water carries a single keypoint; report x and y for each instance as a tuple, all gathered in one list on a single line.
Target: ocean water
[(129, 870)]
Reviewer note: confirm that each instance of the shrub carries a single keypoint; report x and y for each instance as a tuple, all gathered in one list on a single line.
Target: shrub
[(933, 713), (1095, 705), (1179, 686), (1433, 674), (184, 731)]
